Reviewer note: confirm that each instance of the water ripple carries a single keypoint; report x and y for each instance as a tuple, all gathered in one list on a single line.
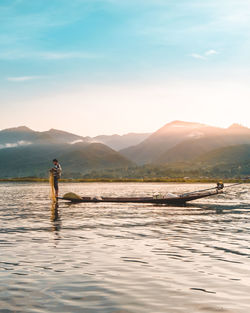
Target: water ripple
[(123, 258)]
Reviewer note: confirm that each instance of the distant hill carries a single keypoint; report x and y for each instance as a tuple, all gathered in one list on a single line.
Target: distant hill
[(178, 148), (166, 138), (190, 149), (118, 142), (22, 136), (16, 136), (76, 159), (229, 155), (59, 136), (181, 141), (25, 152), (227, 162)]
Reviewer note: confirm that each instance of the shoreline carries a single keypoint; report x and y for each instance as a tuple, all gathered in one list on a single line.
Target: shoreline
[(143, 180)]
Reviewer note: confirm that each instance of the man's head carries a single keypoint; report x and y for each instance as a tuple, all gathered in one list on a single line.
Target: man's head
[(55, 161)]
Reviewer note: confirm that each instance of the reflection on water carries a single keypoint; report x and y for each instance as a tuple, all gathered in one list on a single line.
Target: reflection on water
[(124, 258), (55, 218)]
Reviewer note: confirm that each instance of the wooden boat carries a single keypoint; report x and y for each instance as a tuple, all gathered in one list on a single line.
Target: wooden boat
[(172, 199)]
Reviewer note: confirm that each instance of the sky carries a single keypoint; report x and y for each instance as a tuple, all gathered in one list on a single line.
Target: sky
[(116, 66)]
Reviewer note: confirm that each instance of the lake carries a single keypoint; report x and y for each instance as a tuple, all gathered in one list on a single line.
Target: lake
[(123, 258)]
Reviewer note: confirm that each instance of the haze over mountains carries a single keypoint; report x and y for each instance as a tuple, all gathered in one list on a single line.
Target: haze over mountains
[(20, 136), (24, 152), (183, 141), (118, 142)]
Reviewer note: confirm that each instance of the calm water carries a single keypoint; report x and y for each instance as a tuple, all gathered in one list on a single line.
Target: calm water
[(123, 258)]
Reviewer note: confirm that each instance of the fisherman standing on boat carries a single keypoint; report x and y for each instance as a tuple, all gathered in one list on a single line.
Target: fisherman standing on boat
[(56, 171)]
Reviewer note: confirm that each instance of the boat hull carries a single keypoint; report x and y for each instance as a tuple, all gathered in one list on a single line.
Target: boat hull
[(178, 200)]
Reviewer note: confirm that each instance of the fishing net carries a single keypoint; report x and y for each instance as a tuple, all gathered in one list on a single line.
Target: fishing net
[(52, 189), (71, 196)]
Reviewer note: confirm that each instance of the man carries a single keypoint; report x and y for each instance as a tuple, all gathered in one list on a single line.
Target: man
[(56, 172)]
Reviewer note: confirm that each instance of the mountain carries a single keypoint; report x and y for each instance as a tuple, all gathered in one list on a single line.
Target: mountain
[(175, 148), (183, 141), (118, 142), (166, 138), (19, 129), (192, 148), (92, 156), (76, 159), (16, 136), (59, 136), (22, 136), (228, 155), (228, 162)]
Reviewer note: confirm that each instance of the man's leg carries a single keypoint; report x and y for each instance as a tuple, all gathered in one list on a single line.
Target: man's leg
[(56, 186)]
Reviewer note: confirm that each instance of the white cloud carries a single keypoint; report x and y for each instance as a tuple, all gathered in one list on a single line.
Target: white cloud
[(19, 79), (205, 55), (76, 141), (198, 56), (15, 144), (211, 52)]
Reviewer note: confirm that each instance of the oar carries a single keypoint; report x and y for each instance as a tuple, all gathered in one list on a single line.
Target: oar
[(229, 186), (219, 186)]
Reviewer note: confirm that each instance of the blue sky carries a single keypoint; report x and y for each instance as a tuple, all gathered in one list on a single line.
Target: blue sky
[(107, 66)]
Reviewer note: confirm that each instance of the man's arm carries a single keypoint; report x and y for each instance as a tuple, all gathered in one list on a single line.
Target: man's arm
[(58, 170)]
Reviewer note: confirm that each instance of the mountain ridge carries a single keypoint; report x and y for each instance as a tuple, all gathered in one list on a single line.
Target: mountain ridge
[(164, 139), (23, 133), (183, 141), (76, 159), (24, 151)]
